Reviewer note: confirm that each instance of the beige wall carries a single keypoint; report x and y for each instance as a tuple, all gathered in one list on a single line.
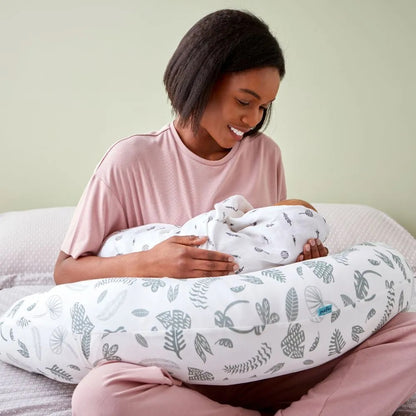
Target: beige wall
[(76, 75)]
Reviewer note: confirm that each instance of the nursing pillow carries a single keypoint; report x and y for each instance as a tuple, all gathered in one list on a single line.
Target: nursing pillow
[(257, 238), (222, 330)]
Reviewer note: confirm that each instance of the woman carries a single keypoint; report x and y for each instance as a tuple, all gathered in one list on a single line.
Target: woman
[(221, 82)]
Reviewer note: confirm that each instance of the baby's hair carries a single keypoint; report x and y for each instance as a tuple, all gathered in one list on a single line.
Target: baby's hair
[(297, 202), (223, 41)]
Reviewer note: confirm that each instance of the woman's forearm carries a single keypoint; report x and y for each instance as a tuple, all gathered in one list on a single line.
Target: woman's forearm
[(68, 269)]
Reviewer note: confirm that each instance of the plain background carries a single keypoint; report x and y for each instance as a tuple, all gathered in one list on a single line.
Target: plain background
[(77, 75)]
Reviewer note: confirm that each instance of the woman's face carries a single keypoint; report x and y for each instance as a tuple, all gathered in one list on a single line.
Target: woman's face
[(236, 105)]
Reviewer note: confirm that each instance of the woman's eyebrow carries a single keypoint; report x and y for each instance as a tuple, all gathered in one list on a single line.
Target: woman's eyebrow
[(253, 93)]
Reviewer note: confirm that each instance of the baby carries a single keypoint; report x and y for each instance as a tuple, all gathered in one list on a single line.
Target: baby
[(257, 238)]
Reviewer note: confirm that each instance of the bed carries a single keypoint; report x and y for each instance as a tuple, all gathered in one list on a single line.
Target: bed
[(29, 243)]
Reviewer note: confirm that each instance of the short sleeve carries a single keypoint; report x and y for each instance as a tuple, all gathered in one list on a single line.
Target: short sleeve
[(281, 180), (98, 214)]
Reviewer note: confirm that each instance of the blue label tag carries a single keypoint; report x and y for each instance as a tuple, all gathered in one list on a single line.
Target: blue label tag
[(324, 310)]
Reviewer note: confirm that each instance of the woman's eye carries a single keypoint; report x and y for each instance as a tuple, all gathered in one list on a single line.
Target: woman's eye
[(241, 102)]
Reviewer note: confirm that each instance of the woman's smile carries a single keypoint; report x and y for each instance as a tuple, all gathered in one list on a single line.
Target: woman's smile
[(237, 104)]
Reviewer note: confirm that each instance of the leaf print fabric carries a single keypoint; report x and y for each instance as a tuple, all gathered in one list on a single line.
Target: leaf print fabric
[(258, 238), (222, 330)]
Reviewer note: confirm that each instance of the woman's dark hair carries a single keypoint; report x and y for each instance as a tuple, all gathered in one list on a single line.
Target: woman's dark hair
[(223, 41)]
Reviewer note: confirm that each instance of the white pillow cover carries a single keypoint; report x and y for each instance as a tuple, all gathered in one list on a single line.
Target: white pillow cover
[(224, 330)]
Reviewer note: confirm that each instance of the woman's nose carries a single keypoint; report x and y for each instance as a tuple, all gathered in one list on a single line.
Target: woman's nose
[(253, 117)]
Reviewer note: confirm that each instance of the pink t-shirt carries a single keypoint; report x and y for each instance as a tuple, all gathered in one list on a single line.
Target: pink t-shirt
[(155, 178)]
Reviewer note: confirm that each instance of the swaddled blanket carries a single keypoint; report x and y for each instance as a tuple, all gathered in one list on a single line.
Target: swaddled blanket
[(257, 238)]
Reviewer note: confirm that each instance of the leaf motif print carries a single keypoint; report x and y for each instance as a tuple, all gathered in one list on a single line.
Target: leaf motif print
[(238, 289), (292, 305), (291, 343), (336, 312), (275, 368), (391, 299), (275, 274), (266, 317), (173, 293), (57, 339), (261, 358), (129, 281), (342, 257), (383, 257), (60, 372), (337, 343), (252, 279), (174, 321), (78, 316), (286, 217), (102, 296), (374, 262), (225, 342), (201, 345), (196, 374), (263, 310), (55, 306), (321, 269), (109, 352), (22, 322), (314, 302), (141, 340), (174, 341), (361, 284), (31, 307), (112, 306), (355, 331), (370, 314), (299, 271), (153, 283), (401, 301), (140, 313), (82, 325), (180, 320), (347, 301), (198, 292), (86, 344), (222, 320), (24, 352), (15, 308), (398, 261), (315, 343)]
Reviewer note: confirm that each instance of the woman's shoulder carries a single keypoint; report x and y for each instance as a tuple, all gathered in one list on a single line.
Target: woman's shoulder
[(261, 143), (134, 148)]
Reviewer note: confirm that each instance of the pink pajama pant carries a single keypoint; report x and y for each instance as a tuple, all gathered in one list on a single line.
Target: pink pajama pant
[(374, 379)]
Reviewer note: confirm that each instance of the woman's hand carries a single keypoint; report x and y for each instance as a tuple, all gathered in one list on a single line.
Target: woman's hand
[(180, 257), (312, 250)]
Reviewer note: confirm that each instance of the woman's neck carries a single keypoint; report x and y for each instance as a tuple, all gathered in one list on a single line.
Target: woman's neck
[(201, 143)]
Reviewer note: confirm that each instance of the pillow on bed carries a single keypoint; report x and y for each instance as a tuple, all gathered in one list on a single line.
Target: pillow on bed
[(29, 245), (222, 330)]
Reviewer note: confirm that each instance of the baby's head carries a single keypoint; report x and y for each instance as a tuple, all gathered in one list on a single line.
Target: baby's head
[(296, 202)]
